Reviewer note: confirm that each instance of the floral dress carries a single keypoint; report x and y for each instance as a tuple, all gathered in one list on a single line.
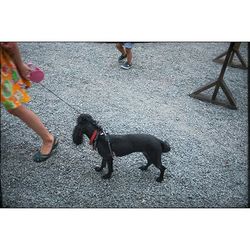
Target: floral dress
[(13, 86)]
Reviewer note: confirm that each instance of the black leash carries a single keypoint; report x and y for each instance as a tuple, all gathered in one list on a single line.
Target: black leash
[(105, 134), (59, 98), (109, 145), (107, 139)]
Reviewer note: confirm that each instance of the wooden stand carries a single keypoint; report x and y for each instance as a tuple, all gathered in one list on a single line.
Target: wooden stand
[(219, 83), (243, 65)]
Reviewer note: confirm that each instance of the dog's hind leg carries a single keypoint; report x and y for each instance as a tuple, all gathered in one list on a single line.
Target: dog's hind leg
[(144, 168), (110, 169), (104, 162), (158, 164), (162, 170)]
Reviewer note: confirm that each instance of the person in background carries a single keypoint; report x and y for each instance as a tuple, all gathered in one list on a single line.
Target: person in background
[(14, 82), (126, 52)]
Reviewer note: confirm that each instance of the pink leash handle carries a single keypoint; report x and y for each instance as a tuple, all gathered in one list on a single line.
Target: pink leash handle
[(36, 74)]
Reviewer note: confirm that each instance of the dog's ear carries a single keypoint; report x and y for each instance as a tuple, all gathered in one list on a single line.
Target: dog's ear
[(77, 135), (84, 118)]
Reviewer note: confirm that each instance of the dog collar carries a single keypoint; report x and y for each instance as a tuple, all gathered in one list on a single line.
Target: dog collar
[(92, 138)]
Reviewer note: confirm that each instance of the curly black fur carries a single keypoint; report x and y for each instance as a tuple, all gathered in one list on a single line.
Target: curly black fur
[(121, 145), (83, 122)]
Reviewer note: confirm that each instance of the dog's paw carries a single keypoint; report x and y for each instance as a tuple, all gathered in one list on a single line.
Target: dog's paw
[(106, 176), (159, 179), (143, 168), (98, 169)]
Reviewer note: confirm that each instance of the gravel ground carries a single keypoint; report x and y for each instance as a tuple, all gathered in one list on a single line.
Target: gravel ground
[(206, 167)]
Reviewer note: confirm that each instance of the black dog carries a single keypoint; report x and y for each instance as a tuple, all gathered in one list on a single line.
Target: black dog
[(119, 145)]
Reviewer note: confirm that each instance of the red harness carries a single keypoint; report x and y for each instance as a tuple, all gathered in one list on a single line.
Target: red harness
[(92, 138)]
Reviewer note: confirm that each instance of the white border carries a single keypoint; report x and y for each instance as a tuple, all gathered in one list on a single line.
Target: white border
[(112, 20), (124, 229), (129, 20)]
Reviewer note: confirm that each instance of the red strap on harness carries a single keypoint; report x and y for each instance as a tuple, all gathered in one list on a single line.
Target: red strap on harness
[(92, 138)]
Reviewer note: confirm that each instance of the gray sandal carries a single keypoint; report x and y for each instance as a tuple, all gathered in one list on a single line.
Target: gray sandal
[(39, 157)]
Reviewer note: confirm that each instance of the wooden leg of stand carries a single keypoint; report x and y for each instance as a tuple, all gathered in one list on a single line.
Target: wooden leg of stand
[(205, 87), (215, 91), (217, 84)]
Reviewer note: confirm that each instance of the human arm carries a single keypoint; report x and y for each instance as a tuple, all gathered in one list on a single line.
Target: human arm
[(13, 51)]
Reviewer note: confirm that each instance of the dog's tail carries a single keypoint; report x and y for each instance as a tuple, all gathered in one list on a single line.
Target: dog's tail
[(165, 146)]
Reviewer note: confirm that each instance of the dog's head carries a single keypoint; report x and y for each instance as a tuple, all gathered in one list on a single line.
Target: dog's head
[(84, 118), (84, 122), (79, 128)]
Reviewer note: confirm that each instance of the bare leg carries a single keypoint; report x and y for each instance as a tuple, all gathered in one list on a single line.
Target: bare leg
[(34, 122), (121, 48), (129, 55)]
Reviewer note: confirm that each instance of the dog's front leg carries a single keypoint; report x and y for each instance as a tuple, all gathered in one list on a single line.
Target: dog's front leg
[(110, 169), (98, 169)]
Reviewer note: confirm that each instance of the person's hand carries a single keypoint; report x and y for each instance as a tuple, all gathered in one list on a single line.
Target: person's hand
[(24, 70)]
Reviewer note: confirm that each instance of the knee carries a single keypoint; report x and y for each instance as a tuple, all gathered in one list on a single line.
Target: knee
[(118, 46)]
